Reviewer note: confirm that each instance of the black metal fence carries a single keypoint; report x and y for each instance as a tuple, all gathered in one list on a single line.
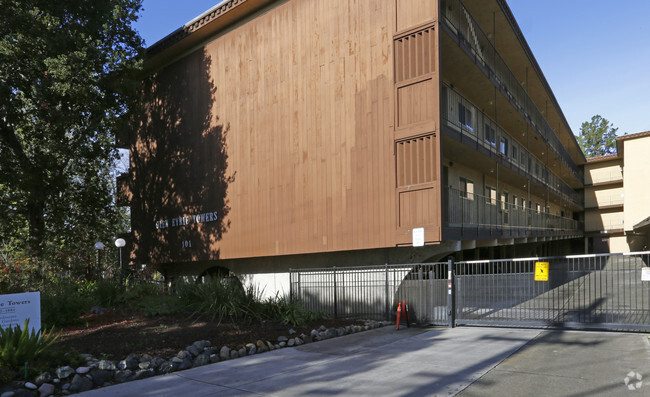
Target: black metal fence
[(584, 291), (373, 292)]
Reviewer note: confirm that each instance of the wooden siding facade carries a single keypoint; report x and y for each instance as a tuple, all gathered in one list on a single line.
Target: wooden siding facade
[(310, 127)]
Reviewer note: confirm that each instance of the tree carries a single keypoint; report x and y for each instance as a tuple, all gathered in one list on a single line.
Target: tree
[(597, 137), (67, 74)]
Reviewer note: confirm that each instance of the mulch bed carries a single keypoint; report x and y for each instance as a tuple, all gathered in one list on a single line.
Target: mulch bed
[(118, 333)]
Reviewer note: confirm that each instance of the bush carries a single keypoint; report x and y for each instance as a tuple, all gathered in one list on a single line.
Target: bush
[(19, 346), (227, 298), (63, 302)]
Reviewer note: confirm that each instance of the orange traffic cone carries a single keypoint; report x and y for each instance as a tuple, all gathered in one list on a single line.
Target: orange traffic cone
[(399, 313)]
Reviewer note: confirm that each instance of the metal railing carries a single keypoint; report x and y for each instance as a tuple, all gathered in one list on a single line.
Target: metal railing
[(458, 19), (582, 291), (475, 210), (461, 115), (373, 292)]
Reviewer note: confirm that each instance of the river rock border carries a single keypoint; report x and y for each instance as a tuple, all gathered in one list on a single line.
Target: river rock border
[(101, 373)]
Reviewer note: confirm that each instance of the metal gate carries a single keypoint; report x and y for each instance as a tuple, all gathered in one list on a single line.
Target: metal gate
[(582, 291)]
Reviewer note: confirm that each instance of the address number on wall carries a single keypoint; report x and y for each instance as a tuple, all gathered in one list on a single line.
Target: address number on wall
[(186, 244)]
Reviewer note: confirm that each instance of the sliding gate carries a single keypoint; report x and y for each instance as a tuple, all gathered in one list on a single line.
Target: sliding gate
[(586, 291)]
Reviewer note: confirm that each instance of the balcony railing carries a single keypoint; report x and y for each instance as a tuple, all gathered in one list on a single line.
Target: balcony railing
[(462, 116), (473, 210), (460, 21)]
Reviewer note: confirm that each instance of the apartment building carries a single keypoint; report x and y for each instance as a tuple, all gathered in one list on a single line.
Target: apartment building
[(617, 217), (286, 134)]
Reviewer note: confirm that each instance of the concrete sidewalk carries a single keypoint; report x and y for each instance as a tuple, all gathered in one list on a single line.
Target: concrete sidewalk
[(419, 362)]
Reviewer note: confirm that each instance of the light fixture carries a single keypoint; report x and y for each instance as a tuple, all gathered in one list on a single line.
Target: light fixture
[(119, 243)]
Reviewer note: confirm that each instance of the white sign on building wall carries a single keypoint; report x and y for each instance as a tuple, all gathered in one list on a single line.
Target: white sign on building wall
[(15, 308), (418, 237)]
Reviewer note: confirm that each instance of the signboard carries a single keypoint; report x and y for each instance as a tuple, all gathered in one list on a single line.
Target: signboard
[(418, 237), (645, 274), (541, 271), (15, 308)]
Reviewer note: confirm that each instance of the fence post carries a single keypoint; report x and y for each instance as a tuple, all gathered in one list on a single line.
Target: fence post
[(387, 301), (451, 294), (335, 300), (290, 285)]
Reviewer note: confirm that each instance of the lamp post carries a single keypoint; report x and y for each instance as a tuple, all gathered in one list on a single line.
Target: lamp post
[(119, 243), (99, 246)]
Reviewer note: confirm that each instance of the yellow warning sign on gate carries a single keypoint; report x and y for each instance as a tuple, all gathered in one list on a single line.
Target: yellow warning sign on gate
[(541, 271)]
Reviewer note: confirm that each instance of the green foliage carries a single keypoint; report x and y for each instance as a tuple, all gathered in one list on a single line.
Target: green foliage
[(289, 311), (64, 302), (19, 346), (229, 299), (67, 79), (597, 137)]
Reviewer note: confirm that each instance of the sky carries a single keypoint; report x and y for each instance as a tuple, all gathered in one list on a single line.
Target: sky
[(595, 54)]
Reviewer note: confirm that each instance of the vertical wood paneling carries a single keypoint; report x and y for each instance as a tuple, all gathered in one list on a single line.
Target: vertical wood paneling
[(307, 91), (415, 12)]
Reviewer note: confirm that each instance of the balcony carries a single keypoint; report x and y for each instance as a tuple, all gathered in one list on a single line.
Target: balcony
[(461, 25), (604, 178), (474, 126), (475, 216)]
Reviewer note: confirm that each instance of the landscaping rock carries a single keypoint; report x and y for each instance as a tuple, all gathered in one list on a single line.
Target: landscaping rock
[(234, 354), (183, 354), (340, 332), (46, 389), (167, 367), (241, 352), (64, 372), (270, 345), (101, 376), (144, 365), (80, 383), (299, 341), (292, 331), (201, 359), (224, 353), (201, 344), (251, 348), (106, 365), (282, 339), (313, 334), (45, 377), (7, 394), (123, 376), (322, 328), (214, 358), (128, 363), (186, 364), (261, 346), (193, 350), (282, 344), (156, 362), (30, 386), (82, 370), (331, 333), (143, 373)]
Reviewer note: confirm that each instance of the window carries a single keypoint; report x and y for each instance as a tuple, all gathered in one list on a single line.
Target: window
[(465, 117), (491, 195), (523, 203), (548, 209), (538, 208), (490, 135), (504, 146), (504, 200), (514, 153), (466, 189), (514, 202)]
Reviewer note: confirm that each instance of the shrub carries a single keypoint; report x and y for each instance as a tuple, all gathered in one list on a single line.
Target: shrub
[(62, 303), (20, 346)]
